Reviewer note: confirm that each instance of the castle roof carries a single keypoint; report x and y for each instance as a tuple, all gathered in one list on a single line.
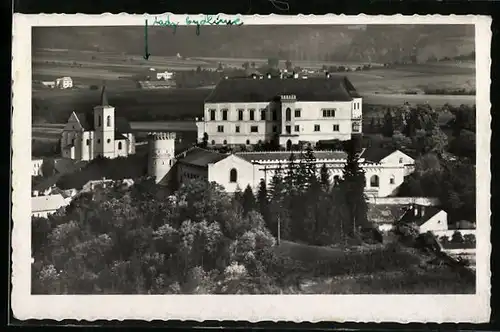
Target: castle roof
[(201, 157), (333, 88)]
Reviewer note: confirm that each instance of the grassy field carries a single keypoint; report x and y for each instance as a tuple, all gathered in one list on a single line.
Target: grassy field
[(378, 269)]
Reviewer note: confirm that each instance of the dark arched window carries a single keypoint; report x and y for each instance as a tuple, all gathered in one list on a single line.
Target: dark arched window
[(213, 142), (288, 145), (119, 145), (248, 141), (88, 142), (99, 121), (225, 142), (108, 121), (400, 160), (374, 181), (392, 179), (288, 114), (336, 180), (233, 175), (73, 141)]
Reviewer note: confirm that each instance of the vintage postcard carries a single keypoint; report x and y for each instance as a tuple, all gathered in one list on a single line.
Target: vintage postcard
[(254, 168)]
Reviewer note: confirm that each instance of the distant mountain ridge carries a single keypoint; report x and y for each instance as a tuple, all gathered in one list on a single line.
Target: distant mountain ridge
[(375, 43)]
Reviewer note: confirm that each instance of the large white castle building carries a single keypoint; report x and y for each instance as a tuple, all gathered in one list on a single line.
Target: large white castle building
[(101, 133), (384, 169), (286, 111)]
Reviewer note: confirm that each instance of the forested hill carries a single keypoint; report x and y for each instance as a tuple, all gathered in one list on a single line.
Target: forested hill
[(375, 43)]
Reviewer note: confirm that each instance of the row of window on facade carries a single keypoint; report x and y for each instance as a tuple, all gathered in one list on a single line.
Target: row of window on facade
[(190, 176), (87, 142), (108, 121), (374, 179), (288, 129), (327, 113)]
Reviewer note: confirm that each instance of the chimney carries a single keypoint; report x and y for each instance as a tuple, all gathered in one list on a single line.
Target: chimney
[(327, 74)]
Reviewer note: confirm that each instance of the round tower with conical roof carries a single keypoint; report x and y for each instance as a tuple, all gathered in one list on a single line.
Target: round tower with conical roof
[(161, 155)]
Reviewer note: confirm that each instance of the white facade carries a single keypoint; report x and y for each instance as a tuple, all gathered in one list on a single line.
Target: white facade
[(437, 222), (290, 120), (241, 169), (161, 154), (64, 83), (36, 167), (164, 76)]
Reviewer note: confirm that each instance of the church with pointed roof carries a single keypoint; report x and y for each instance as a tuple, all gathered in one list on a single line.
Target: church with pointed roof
[(99, 133)]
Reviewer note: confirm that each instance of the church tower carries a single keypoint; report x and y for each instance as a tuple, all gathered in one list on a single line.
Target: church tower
[(104, 124), (161, 155)]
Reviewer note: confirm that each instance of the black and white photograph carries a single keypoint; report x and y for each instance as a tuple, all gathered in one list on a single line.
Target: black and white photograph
[(212, 155)]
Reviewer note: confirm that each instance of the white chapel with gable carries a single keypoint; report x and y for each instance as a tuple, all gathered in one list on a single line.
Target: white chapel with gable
[(100, 133)]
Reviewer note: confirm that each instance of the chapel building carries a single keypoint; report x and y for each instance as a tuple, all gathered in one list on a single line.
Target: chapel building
[(100, 133)]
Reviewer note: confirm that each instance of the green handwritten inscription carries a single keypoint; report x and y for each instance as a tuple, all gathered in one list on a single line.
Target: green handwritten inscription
[(204, 20)]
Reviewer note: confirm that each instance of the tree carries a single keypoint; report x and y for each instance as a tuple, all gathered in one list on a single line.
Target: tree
[(273, 62), (248, 200), (325, 177), (252, 64), (388, 129), (48, 167), (246, 65), (400, 141), (204, 142), (263, 200), (198, 69), (220, 67), (352, 184)]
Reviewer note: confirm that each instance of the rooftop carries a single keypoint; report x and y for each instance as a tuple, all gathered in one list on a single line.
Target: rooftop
[(201, 157), (47, 203), (424, 213), (334, 88), (386, 213)]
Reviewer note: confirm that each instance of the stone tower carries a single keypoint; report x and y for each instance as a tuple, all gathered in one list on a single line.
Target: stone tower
[(161, 154), (104, 124)]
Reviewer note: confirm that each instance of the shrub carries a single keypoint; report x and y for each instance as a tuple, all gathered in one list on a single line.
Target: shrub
[(457, 237)]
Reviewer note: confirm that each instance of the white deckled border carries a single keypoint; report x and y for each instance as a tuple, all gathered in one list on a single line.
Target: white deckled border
[(253, 308)]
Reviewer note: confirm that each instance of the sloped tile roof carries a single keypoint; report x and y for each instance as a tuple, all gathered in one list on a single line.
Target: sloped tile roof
[(335, 88), (386, 213), (201, 157)]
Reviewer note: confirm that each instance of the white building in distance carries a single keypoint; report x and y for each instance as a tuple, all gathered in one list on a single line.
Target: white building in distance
[(384, 169), (64, 82), (166, 75), (244, 111), (87, 136)]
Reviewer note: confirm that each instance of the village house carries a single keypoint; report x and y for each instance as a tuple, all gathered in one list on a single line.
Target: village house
[(426, 218), (64, 82), (44, 205)]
